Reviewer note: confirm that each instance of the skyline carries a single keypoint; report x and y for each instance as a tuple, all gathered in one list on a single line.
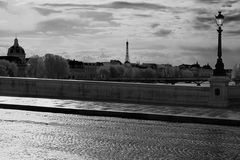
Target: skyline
[(163, 31)]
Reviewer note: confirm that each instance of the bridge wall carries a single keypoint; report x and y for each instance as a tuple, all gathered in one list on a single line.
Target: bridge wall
[(234, 91), (105, 91), (234, 95)]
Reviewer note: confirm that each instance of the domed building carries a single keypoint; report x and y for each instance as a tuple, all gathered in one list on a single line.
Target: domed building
[(17, 55), (16, 51)]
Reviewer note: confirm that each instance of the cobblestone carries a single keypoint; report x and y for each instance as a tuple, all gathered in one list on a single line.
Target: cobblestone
[(35, 135)]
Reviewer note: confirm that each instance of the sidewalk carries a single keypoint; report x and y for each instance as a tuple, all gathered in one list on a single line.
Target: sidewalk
[(124, 110)]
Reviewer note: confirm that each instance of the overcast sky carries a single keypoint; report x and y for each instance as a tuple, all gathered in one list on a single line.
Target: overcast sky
[(158, 31)]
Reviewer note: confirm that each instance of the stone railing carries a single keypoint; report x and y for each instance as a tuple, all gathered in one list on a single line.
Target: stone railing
[(105, 91)]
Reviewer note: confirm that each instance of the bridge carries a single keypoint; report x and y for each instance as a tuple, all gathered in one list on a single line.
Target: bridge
[(167, 80)]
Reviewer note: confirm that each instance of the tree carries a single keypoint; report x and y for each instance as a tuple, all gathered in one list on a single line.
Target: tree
[(128, 72), (3, 71), (148, 73), (56, 66), (103, 72), (8, 68), (176, 72), (205, 72), (120, 70), (169, 71), (236, 74), (236, 71), (36, 67), (113, 72), (136, 73), (186, 73)]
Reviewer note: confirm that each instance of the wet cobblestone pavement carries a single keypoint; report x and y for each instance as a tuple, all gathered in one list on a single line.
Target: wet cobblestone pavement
[(232, 114), (30, 135)]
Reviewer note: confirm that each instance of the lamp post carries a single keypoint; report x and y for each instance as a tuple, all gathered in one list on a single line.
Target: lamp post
[(219, 67)]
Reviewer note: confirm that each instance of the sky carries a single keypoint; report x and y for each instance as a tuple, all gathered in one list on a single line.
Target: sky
[(158, 31)]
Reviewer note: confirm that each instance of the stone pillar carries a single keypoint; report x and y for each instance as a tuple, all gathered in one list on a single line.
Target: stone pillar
[(218, 91)]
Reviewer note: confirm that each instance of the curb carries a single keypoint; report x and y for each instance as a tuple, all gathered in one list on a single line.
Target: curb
[(128, 115)]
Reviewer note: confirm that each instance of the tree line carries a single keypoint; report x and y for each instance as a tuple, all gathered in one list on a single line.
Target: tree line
[(54, 66), (125, 71), (47, 66)]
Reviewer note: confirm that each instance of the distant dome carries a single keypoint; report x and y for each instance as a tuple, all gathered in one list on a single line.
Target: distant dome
[(16, 50)]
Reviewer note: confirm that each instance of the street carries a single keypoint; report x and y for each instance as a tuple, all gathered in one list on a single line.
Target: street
[(34, 135)]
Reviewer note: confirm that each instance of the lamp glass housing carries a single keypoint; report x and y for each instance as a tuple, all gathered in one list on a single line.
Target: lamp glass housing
[(219, 19)]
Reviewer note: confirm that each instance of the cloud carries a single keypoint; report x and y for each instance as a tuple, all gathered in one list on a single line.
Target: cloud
[(203, 22), (201, 26), (113, 5), (229, 3), (45, 11), (200, 11), (4, 45), (130, 5), (6, 33), (154, 25), (64, 5), (205, 19), (97, 16), (233, 32), (208, 54), (143, 15), (221, 3), (60, 26), (3, 4), (233, 16), (99, 19), (163, 33), (210, 1)]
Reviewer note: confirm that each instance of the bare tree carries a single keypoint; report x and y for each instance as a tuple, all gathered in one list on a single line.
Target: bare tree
[(186, 73), (49, 66), (103, 72), (36, 67), (148, 73), (236, 71), (56, 66)]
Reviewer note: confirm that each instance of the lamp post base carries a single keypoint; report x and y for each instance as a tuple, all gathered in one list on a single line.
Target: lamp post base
[(218, 92), (219, 71)]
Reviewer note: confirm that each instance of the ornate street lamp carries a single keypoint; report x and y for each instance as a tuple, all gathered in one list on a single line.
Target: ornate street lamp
[(219, 67)]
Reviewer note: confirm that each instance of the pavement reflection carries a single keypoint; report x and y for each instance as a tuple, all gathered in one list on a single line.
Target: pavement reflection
[(231, 114), (35, 135)]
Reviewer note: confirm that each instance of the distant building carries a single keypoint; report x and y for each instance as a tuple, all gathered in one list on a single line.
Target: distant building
[(189, 66), (228, 72), (150, 65), (197, 70), (207, 66), (115, 62), (184, 66), (106, 63), (196, 65), (137, 65), (81, 70), (16, 51)]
